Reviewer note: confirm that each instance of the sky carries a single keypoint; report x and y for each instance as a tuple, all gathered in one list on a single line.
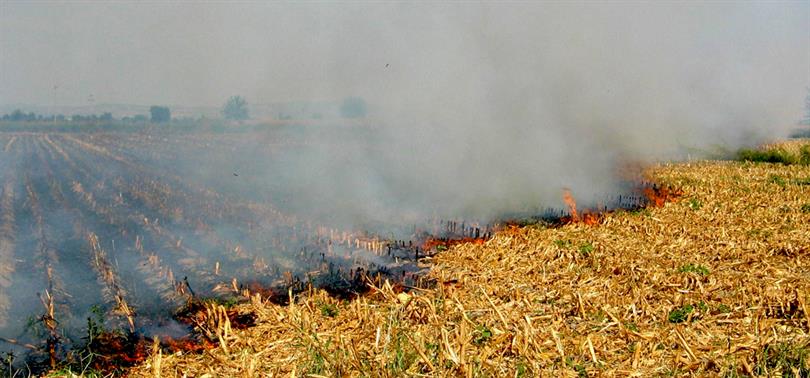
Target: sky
[(62, 53)]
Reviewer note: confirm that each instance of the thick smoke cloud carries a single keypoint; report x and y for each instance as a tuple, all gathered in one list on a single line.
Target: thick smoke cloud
[(478, 109), (494, 109)]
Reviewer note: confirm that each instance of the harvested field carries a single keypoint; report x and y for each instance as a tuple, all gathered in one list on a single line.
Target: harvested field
[(716, 283), (107, 233), (119, 238)]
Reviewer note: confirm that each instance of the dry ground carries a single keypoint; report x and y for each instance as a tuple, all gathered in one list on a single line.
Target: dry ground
[(715, 284)]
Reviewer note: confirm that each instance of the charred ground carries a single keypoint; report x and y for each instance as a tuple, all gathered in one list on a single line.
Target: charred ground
[(713, 284), (112, 239)]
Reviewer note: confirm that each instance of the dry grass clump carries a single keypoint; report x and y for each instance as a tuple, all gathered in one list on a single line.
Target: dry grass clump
[(716, 284)]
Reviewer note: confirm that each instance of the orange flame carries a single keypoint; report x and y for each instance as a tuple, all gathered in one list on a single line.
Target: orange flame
[(569, 200), (660, 195), (591, 218)]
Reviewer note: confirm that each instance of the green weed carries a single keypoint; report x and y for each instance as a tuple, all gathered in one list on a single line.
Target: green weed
[(521, 370), (403, 358), (328, 310), (787, 359), (563, 243), (776, 155), (481, 335), (680, 314), (778, 180), (586, 249), (578, 367), (692, 268)]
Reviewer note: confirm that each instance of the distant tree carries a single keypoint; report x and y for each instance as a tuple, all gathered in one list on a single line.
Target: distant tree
[(106, 117), (353, 107), (17, 115), (235, 109), (160, 114), (139, 118)]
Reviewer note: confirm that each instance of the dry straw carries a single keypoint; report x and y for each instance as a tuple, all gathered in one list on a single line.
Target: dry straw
[(716, 283)]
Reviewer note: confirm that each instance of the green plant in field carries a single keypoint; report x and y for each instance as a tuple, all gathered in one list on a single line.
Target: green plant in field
[(778, 180), (403, 358), (481, 335), (695, 204), (581, 372), (586, 248), (432, 351), (692, 268), (95, 325), (785, 358), (563, 243), (79, 361), (316, 363), (806, 208), (224, 302), (680, 314), (328, 309), (804, 155), (578, 367), (520, 369), (775, 155), (723, 309), (631, 326)]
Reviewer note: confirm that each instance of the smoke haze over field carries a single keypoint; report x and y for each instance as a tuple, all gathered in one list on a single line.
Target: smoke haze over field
[(483, 108)]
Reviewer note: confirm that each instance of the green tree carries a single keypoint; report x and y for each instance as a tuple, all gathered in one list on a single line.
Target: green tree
[(17, 115), (160, 114), (235, 109)]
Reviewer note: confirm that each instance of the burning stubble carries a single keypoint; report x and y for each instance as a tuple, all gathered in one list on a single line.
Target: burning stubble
[(476, 113)]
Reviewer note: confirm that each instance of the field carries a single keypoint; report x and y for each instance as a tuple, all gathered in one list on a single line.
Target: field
[(713, 284), (177, 254), (116, 232)]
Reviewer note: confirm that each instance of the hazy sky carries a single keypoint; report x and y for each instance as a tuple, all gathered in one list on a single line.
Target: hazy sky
[(197, 54)]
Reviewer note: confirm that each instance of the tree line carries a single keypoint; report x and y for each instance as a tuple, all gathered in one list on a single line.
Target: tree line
[(235, 109)]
